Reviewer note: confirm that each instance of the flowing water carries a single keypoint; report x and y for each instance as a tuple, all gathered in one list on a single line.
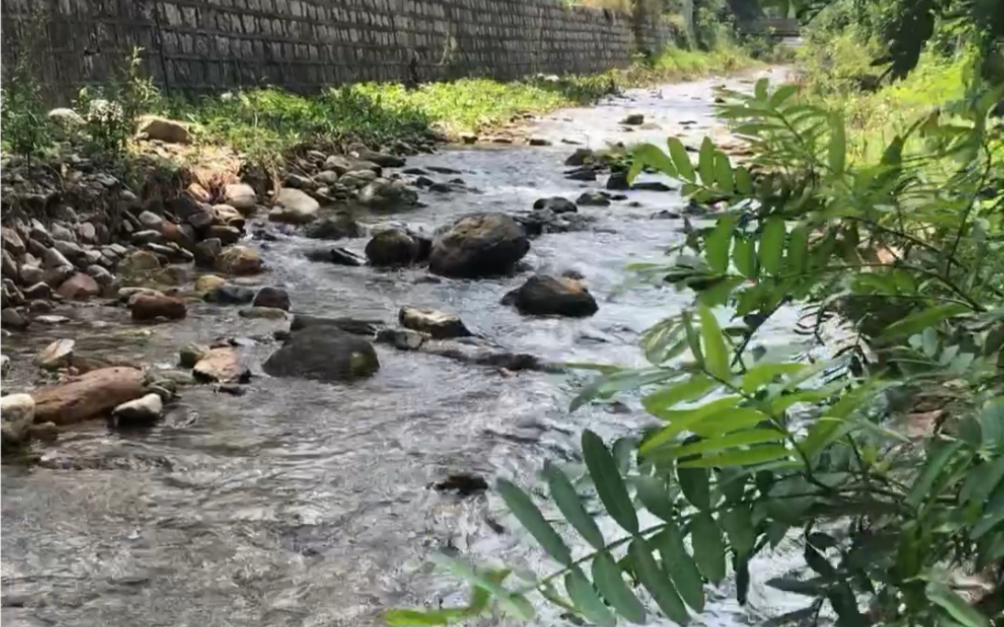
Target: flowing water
[(302, 503)]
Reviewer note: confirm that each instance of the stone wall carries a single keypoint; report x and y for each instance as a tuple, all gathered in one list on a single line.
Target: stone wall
[(193, 46)]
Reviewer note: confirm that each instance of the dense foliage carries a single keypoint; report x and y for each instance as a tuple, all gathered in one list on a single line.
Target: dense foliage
[(882, 452)]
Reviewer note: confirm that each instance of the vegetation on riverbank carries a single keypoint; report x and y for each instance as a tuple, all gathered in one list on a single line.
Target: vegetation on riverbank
[(877, 443)]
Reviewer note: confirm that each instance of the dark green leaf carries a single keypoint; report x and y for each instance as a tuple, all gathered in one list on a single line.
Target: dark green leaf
[(429, 617), (681, 159), (738, 525), (765, 373), (686, 391), (657, 582), (568, 501), (608, 481), (585, 599), (693, 338), (838, 145), (917, 322), (723, 173), (716, 353), (744, 256), (772, 245), (529, 516), (654, 495), (718, 242), (681, 567), (622, 380), (784, 92), (806, 587), (610, 582), (727, 441), (982, 480), (695, 486), (818, 563), (706, 163), (751, 457), (744, 182), (709, 549), (956, 607), (760, 90), (798, 250), (512, 603), (921, 488), (650, 155), (681, 420)]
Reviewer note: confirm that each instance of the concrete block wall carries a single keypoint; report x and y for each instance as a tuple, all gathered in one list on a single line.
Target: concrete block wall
[(198, 46)]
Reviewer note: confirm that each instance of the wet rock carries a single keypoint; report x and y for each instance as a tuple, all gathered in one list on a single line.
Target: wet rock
[(618, 181), (334, 227), (262, 313), (348, 325), (665, 214), (338, 164), (17, 413), (479, 245), (38, 291), (580, 157), (437, 324), (556, 204), (125, 294), (52, 258), (240, 196), (402, 339), (228, 235), (30, 274), (228, 294), (586, 174), (172, 275), (634, 119), (544, 295), (474, 354), (102, 276), (12, 242), (240, 260), (274, 297), (149, 307), (150, 220), (138, 265), (539, 141), (294, 207), (229, 216), (651, 186), (4, 365), (208, 251), (90, 395), (326, 177), (62, 234), (10, 268), (381, 159), (142, 412), (357, 179), (384, 195), (51, 320), (337, 255), (57, 355), (297, 181), (79, 287), (44, 432), (163, 129), (392, 247), (11, 318), (463, 483), (208, 282), (442, 169), (468, 138), (221, 365), (323, 354), (191, 354), (593, 199)]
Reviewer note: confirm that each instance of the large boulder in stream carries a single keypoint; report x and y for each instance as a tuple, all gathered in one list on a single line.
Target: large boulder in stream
[(294, 207), (479, 245), (438, 324), (91, 395), (544, 295), (323, 354), (392, 247)]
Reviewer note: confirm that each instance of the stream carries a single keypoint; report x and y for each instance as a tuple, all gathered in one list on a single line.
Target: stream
[(309, 504)]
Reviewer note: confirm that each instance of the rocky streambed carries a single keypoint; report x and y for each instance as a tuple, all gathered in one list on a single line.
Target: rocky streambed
[(262, 408)]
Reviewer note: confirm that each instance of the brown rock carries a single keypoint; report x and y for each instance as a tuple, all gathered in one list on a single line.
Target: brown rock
[(240, 260), (221, 365), (199, 192), (170, 131), (79, 287), (208, 282), (147, 307), (91, 395)]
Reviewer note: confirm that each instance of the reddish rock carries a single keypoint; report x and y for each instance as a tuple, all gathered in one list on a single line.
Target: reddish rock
[(79, 287), (92, 395), (199, 192), (147, 307)]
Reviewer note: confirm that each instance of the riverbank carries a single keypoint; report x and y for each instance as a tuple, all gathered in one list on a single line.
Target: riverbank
[(316, 489)]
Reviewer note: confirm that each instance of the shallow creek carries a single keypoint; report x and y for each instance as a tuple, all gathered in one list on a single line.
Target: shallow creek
[(306, 504)]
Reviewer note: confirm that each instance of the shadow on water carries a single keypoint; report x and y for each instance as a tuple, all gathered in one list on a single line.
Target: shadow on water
[(309, 504)]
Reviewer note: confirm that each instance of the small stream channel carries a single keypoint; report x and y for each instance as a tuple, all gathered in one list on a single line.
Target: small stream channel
[(308, 504)]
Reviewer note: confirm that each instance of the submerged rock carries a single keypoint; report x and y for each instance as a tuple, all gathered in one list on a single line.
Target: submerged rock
[(349, 325), (479, 245), (323, 354), (384, 195), (593, 199), (580, 157), (336, 255), (263, 313), (228, 294), (437, 324), (79, 287), (340, 226), (149, 307), (191, 353), (240, 260), (556, 204), (274, 297), (544, 295), (392, 247)]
